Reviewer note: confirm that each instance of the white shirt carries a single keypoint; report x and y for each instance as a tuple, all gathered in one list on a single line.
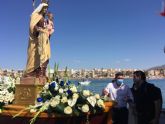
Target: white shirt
[(119, 93)]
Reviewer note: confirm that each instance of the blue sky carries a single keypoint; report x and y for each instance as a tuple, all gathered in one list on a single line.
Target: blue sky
[(88, 33)]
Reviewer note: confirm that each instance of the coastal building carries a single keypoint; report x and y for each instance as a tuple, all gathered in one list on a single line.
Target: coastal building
[(90, 73)]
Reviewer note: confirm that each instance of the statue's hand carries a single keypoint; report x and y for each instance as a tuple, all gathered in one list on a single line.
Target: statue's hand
[(43, 31)]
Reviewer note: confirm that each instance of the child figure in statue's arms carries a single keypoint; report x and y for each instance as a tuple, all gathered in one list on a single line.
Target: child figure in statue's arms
[(49, 23)]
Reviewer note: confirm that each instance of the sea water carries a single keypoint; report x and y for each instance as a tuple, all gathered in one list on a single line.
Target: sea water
[(97, 85)]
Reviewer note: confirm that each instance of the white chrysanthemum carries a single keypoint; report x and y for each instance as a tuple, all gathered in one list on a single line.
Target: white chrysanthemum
[(97, 96), (6, 80), (61, 90), (55, 101), (85, 108), (64, 99), (100, 103), (68, 110), (92, 100), (9, 97), (86, 93), (5, 95), (73, 89), (57, 97), (75, 96), (4, 92), (72, 102)]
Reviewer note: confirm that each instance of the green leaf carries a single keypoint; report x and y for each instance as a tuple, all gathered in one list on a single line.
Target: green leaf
[(76, 112), (60, 108), (49, 73), (55, 75)]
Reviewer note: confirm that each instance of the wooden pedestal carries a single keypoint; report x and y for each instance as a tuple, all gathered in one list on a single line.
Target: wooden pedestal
[(28, 89)]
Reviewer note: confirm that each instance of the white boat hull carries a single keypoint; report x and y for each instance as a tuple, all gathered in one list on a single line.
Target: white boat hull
[(85, 82)]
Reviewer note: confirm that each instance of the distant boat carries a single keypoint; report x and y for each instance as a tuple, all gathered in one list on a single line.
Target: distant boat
[(87, 82)]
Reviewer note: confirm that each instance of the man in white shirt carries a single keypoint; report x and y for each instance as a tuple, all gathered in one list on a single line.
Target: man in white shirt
[(121, 93)]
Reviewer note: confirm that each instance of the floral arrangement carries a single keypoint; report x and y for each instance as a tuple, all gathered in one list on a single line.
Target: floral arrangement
[(7, 90), (65, 98)]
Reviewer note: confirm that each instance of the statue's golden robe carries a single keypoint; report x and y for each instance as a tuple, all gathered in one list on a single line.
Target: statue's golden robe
[(39, 47)]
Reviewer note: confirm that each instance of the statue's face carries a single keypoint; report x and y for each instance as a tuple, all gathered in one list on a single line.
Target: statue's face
[(44, 10), (44, 1)]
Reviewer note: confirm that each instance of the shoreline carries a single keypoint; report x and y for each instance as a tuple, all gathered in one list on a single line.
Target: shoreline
[(148, 78)]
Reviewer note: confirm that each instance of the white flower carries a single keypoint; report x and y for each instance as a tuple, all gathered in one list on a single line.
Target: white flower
[(6, 99), (46, 86), (6, 96), (97, 96), (9, 97), (61, 90), (75, 96), (56, 87), (85, 108), (64, 99), (73, 89), (72, 102), (92, 100), (55, 101), (100, 103), (6, 80), (86, 93), (57, 97), (68, 110), (1, 98), (4, 92)]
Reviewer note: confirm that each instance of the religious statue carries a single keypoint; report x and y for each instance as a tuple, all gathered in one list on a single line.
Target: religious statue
[(40, 29), (39, 45)]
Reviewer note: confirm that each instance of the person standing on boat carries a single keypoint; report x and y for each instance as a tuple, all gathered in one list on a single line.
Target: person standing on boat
[(121, 93), (147, 98)]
